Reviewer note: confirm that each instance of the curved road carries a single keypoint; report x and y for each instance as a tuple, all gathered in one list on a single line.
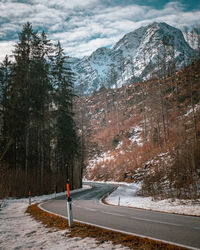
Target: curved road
[(87, 208)]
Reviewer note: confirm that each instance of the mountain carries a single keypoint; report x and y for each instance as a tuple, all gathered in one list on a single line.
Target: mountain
[(137, 56)]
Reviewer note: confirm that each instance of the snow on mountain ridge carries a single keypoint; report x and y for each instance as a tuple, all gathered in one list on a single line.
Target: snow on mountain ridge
[(132, 58), (130, 42)]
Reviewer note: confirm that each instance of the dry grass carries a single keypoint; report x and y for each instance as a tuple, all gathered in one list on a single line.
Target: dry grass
[(101, 235)]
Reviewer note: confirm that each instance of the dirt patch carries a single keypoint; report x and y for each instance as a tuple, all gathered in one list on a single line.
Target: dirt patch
[(101, 235)]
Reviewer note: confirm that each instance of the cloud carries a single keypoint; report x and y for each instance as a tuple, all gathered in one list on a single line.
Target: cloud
[(85, 48), (6, 48), (8, 28), (11, 9), (66, 4), (83, 26), (133, 12)]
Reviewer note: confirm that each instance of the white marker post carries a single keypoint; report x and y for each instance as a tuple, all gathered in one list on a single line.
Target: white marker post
[(55, 190), (119, 201), (69, 207)]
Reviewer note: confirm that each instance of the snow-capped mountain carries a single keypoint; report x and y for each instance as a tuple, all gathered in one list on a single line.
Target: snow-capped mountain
[(192, 38), (135, 57)]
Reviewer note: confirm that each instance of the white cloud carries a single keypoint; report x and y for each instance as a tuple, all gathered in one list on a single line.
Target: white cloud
[(86, 48), (83, 26), (8, 27), (66, 4), (132, 12), (6, 48), (10, 9)]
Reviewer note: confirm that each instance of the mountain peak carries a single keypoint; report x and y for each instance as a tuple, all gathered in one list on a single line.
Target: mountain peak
[(132, 57)]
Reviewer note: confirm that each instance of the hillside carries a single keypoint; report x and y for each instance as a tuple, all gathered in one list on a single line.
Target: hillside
[(148, 131)]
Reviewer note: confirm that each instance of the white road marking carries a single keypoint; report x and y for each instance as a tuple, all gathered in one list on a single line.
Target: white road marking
[(155, 221), (120, 215), (135, 218), (134, 234), (90, 209), (86, 208), (138, 218), (116, 230)]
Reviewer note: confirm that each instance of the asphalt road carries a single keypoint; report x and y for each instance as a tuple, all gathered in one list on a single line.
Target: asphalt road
[(177, 229)]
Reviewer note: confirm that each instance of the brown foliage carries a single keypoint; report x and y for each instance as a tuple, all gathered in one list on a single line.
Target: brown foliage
[(179, 179), (166, 110), (15, 183)]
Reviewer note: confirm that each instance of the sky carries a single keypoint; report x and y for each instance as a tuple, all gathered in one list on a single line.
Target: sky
[(82, 26)]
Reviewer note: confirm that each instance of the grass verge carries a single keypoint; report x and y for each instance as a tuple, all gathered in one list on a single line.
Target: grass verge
[(52, 221)]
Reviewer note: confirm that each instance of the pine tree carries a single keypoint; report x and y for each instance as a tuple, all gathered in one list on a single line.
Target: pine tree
[(5, 74), (41, 99), (31, 96), (67, 141), (22, 80)]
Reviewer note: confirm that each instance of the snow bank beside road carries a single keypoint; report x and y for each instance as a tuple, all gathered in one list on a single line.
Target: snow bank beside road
[(19, 231), (128, 197)]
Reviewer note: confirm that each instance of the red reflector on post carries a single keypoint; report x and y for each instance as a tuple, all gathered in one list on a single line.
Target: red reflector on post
[(68, 194)]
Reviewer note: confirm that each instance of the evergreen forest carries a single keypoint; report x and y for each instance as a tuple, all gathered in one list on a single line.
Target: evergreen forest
[(39, 145)]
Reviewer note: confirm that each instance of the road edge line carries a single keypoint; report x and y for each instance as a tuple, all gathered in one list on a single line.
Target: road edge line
[(115, 230)]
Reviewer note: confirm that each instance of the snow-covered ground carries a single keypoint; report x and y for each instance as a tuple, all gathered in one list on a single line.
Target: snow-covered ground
[(19, 231), (126, 195)]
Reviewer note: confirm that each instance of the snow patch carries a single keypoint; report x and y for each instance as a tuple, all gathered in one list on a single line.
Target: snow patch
[(136, 137), (128, 197), (196, 107), (100, 159)]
